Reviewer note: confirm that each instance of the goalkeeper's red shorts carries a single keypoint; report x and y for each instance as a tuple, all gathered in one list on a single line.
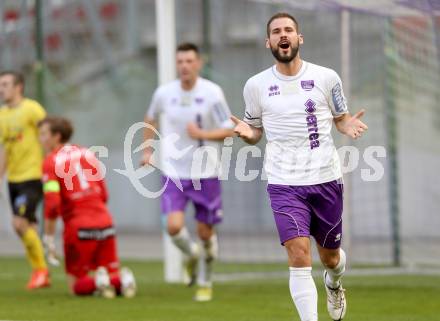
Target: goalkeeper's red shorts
[(87, 249)]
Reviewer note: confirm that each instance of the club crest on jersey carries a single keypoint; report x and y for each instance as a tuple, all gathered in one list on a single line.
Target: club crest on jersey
[(274, 91), (307, 85), (199, 100)]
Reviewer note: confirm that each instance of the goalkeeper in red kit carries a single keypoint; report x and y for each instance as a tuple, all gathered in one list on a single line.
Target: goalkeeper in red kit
[(75, 190)]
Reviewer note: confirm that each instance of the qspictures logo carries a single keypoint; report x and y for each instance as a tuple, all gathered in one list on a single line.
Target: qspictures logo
[(226, 166)]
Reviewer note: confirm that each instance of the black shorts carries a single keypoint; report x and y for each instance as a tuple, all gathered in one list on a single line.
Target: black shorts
[(25, 197)]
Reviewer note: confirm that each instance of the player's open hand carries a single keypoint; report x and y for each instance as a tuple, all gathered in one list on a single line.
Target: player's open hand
[(242, 129), (352, 126), (50, 248)]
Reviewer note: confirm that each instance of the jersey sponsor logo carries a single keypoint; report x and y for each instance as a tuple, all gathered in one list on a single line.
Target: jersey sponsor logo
[(307, 85), (20, 205), (312, 123), (338, 99), (96, 234), (274, 90), (20, 201), (200, 125), (310, 106), (16, 135)]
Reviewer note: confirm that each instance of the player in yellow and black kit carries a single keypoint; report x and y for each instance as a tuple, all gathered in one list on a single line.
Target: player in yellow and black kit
[(21, 157)]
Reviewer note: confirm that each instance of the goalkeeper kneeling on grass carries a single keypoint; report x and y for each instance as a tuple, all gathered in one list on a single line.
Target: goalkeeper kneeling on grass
[(75, 189)]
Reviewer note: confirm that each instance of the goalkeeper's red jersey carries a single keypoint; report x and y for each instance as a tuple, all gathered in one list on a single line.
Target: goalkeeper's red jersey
[(74, 188)]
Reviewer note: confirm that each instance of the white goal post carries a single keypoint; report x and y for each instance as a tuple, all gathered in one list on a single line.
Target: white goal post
[(166, 47)]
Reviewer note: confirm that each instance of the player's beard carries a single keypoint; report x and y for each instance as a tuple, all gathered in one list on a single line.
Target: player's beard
[(276, 52)]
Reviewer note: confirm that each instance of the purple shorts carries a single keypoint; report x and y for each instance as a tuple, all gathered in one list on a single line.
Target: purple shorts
[(207, 201), (314, 210)]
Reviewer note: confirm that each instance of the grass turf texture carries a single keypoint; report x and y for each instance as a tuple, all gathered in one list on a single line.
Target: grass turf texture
[(381, 298)]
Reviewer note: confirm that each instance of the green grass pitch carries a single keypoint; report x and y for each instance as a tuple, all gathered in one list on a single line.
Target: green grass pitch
[(381, 298)]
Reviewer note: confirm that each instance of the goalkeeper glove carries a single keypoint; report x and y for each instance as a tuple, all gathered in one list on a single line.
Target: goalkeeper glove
[(49, 245)]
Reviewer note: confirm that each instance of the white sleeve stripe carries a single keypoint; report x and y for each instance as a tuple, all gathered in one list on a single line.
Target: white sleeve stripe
[(249, 116), (220, 111)]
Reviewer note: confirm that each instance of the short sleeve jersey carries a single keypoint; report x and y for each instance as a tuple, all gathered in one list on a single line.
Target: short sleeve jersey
[(297, 113), (204, 105), (19, 137), (74, 188)]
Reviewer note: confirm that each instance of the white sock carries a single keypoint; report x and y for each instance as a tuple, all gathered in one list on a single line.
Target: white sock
[(183, 241), (211, 247), (333, 279), (211, 253), (304, 294)]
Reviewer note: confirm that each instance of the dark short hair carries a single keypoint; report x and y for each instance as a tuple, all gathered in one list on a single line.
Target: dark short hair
[(18, 77), (188, 46), (59, 125), (281, 15)]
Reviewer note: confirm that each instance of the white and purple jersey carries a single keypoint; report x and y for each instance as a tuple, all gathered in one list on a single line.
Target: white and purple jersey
[(204, 105), (297, 113)]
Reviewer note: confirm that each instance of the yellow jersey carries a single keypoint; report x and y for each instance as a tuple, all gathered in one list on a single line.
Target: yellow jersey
[(19, 137)]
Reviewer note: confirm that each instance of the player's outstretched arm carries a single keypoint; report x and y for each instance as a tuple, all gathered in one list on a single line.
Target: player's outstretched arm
[(248, 133), (351, 125)]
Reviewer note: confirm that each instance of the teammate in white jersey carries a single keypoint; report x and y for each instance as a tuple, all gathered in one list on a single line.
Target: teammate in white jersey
[(296, 102), (195, 119)]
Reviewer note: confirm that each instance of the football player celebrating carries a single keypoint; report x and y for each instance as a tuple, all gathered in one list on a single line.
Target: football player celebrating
[(295, 103)]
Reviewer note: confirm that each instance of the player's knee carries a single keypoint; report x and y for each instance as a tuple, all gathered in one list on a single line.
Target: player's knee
[(16, 227), (174, 229), (19, 225), (330, 261), (299, 254), (205, 232), (204, 236), (175, 223)]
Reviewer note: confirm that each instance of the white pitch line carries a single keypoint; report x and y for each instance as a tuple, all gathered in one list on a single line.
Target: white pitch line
[(242, 276), (245, 276)]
